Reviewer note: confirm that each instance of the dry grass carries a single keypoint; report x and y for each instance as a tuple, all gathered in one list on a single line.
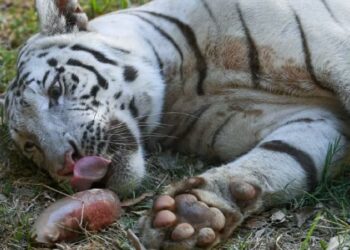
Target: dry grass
[(26, 191)]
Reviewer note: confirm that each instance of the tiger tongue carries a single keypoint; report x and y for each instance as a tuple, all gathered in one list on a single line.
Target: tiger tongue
[(87, 171)]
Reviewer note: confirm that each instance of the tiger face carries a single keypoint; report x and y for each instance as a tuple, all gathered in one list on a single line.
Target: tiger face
[(75, 109)]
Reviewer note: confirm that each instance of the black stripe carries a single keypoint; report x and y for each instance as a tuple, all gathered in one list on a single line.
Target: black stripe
[(309, 120), (43, 54), (101, 81), (21, 64), (254, 62), (120, 141), (304, 120), (206, 6), (117, 95), (65, 85), (21, 67), (156, 54), (29, 81), (133, 109), (192, 42), (195, 117), (45, 78), (100, 147), (25, 76), (14, 84), (121, 50), (79, 109), (330, 11), (98, 55), (94, 90), (218, 130), (307, 53), (304, 159), (22, 50), (85, 97), (165, 35)]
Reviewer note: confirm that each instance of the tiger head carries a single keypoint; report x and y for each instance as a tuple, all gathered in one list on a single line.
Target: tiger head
[(78, 101)]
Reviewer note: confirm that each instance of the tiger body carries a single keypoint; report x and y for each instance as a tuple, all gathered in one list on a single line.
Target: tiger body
[(257, 87), (224, 75)]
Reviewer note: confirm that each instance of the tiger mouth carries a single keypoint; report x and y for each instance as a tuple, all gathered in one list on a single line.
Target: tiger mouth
[(87, 171)]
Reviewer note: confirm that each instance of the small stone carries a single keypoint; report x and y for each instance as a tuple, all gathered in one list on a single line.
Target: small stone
[(3, 198), (278, 217), (260, 233), (339, 242), (164, 218), (182, 231), (206, 237)]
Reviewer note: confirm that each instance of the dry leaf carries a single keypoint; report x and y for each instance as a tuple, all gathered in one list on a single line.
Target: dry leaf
[(255, 222), (260, 233), (3, 198), (278, 217), (304, 214), (140, 212), (133, 202), (340, 242), (135, 241)]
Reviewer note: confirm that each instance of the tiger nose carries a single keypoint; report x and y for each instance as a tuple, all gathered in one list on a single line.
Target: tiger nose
[(68, 165)]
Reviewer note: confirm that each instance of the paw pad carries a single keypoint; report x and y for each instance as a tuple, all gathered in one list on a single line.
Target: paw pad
[(164, 218), (243, 191), (218, 219), (187, 218), (182, 231), (206, 237), (164, 202)]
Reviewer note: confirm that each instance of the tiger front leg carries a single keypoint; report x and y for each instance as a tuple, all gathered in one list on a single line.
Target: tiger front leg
[(203, 211)]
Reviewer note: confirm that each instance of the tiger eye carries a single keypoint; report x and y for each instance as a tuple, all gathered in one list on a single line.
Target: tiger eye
[(55, 92), (29, 146)]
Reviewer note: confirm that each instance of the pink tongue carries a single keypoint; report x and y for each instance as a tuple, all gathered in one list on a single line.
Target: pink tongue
[(88, 170)]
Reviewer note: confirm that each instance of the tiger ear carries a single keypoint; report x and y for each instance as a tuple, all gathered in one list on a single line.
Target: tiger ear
[(60, 16)]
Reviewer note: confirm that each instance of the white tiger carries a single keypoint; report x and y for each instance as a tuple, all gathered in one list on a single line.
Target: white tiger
[(256, 87)]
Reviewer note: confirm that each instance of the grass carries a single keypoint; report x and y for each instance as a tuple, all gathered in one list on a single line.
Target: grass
[(25, 191)]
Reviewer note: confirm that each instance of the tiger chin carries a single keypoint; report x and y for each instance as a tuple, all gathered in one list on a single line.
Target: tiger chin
[(262, 98)]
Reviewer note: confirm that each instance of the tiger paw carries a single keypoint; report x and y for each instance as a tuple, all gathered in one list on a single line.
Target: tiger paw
[(195, 217)]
